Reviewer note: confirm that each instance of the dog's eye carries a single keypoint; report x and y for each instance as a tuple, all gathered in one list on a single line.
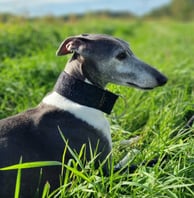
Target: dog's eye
[(121, 56)]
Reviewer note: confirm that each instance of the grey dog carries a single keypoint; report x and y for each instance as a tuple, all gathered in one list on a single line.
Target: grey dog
[(76, 106)]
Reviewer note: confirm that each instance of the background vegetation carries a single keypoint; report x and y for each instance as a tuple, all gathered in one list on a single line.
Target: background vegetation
[(29, 69), (177, 9)]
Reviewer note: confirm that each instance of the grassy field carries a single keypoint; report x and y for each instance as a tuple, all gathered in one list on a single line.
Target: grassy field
[(29, 69)]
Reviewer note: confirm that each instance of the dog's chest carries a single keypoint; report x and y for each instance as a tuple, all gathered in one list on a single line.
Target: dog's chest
[(90, 116)]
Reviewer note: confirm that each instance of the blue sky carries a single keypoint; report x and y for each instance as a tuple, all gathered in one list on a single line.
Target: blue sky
[(61, 7)]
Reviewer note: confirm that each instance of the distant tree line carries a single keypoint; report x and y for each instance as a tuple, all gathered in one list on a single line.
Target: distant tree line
[(177, 9)]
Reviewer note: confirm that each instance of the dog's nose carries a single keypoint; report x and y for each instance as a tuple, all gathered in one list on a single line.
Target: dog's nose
[(162, 80)]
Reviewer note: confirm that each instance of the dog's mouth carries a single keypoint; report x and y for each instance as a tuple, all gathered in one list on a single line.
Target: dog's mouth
[(139, 87)]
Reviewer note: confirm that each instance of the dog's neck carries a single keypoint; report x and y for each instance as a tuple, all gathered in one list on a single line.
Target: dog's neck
[(77, 85), (84, 93), (85, 70), (74, 68)]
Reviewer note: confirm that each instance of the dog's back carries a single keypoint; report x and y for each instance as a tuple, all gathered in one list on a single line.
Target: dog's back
[(34, 135)]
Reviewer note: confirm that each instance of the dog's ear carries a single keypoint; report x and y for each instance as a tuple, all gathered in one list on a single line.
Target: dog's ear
[(72, 44)]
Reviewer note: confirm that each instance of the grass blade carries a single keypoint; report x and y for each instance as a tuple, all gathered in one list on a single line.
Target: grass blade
[(31, 165), (18, 182)]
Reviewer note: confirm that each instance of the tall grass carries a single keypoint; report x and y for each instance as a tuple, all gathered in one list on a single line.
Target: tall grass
[(29, 68)]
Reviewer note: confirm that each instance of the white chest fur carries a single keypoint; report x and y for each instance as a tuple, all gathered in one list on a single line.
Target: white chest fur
[(91, 116)]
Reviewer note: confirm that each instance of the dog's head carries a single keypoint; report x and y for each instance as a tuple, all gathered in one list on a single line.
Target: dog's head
[(108, 59)]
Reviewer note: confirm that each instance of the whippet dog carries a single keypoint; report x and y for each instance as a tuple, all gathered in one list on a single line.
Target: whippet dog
[(76, 107)]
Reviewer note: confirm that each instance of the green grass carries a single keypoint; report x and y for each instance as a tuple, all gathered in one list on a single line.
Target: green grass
[(29, 69)]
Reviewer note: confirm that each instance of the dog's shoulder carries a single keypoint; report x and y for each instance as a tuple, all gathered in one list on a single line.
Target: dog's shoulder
[(81, 112), (16, 123), (75, 120), (23, 121)]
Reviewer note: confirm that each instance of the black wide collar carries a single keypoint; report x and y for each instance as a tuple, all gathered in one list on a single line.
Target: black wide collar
[(85, 94)]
